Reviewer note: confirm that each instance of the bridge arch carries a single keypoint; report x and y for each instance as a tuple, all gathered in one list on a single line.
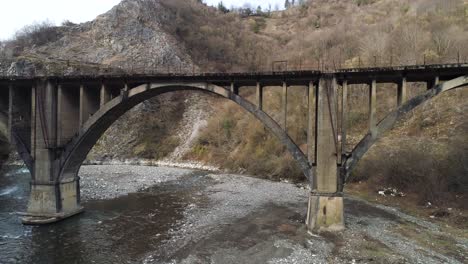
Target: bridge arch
[(76, 151), (392, 118)]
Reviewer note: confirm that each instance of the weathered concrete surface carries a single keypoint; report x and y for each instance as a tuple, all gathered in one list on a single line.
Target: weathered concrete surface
[(326, 160), (325, 213), (43, 207), (325, 209)]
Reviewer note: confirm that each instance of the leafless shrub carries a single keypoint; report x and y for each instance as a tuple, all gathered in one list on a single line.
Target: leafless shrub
[(36, 34), (433, 173)]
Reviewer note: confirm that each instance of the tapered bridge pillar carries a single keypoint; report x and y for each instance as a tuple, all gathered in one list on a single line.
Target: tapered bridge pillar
[(51, 199), (325, 211)]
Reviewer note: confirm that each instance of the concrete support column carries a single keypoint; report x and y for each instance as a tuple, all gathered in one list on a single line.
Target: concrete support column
[(430, 84), (33, 122), (284, 107), (68, 113), (402, 92), (234, 88), (89, 102), (325, 211), (50, 200), (10, 111), (311, 125), (105, 95), (344, 116), (259, 92), (45, 131), (373, 106), (124, 90)]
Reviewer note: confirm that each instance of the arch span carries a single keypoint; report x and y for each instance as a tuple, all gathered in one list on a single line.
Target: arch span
[(392, 118), (77, 150)]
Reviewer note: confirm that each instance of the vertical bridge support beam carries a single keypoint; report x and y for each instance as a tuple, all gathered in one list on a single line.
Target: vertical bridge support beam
[(89, 102), (431, 83), (259, 89), (284, 107), (344, 117), (311, 128), (373, 107), (105, 95), (68, 113), (325, 211), (402, 92), (10, 112), (234, 88), (50, 199)]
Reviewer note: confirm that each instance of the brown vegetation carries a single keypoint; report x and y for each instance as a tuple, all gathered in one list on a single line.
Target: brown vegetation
[(329, 34), (33, 35)]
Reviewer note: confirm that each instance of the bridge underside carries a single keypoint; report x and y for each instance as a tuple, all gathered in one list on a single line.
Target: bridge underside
[(55, 122)]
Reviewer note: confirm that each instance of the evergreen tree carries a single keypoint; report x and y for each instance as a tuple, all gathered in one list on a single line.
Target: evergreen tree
[(222, 8), (287, 4), (259, 10)]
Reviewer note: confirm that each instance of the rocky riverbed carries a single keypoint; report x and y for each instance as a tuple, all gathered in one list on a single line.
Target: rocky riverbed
[(138, 214), (239, 219)]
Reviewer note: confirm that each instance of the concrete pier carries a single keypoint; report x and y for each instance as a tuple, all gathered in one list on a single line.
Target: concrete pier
[(50, 200), (325, 210)]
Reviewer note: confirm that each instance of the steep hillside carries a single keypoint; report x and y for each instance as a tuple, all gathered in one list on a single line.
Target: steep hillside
[(130, 37), (425, 151)]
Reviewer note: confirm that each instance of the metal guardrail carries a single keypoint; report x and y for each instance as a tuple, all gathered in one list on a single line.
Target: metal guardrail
[(66, 68)]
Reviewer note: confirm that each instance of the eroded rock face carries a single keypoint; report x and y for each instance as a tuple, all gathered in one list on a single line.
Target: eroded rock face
[(130, 35)]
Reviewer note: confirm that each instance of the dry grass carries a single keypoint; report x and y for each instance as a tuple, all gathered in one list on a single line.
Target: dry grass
[(374, 33), (426, 154), (237, 141)]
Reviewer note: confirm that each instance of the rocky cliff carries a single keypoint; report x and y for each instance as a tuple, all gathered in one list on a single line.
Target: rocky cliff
[(131, 37)]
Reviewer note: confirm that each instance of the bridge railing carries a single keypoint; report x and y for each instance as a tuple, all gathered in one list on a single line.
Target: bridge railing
[(61, 67)]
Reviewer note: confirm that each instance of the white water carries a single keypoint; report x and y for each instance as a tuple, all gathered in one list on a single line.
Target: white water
[(7, 191)]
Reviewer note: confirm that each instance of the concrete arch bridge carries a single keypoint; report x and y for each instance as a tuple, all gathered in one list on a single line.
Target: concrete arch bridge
[(55, 121)]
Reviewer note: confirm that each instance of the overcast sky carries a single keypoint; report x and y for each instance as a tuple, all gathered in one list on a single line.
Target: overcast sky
[(18, 13)]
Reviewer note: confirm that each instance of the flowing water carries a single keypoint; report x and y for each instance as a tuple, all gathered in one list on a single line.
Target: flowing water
[(120, 230)]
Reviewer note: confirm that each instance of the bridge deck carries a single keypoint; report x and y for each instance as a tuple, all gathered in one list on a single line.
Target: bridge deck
[(413, 73)]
